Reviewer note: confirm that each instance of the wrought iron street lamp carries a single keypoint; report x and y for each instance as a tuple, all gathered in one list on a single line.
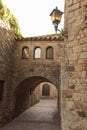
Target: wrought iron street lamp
[(56, 16)]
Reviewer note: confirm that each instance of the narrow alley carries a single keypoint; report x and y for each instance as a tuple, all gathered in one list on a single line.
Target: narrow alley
[(41, 116)]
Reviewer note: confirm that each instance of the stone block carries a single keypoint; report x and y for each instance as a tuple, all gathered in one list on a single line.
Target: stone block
[(75, 6), (80, 88), (79, 105), (69, 2), (83, 55), (70, 68), (67, 93), (73, 57), (84, 74), (72, 86), (83, 41), (67, 115), (84, 67), (69, 105), (82, 113), (76, 96), (78, 67)]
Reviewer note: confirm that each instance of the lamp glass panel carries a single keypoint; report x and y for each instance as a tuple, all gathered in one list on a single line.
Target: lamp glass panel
[(53, 18), (58, 18)]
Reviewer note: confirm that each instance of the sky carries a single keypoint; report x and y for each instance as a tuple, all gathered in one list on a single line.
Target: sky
[(33, 15)]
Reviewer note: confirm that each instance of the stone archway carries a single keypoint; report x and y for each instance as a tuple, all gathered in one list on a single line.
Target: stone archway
[(24, 93)]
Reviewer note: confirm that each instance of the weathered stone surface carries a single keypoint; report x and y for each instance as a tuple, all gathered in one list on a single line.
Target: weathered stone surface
[(67, 93), (23, 73), (82, 113), (70, 68), (72, 86), (7, 41), (80, 105), (76, 54), (83, 55)]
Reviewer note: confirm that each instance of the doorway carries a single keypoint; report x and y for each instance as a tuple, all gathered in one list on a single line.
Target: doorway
[(45, 90)]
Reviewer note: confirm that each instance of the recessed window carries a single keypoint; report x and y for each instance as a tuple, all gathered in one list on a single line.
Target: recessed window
[(25, 53), (37, 53), (49, 53), (1, 89)]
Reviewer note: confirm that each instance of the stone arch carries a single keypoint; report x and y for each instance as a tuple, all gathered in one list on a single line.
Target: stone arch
[(25, 52), (23, 93), (49, 52), (51, 92), (37, 52)]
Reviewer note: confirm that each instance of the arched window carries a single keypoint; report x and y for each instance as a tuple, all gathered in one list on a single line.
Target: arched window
[(25, 53), (45, 90), (49, 53), (37, 53)]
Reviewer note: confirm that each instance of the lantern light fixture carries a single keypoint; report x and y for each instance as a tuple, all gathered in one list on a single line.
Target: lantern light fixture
[(56, 16)]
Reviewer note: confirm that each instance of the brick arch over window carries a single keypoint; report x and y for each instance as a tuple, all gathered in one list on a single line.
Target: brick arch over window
[(37, 53), (49, 53), (25, 53)]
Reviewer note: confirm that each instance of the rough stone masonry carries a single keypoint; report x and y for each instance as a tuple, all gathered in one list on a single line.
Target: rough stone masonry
[(74, 67), (20, 73)]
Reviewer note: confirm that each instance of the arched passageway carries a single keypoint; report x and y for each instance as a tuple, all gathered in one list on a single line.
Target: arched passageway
[(25, 95), (41, 116)]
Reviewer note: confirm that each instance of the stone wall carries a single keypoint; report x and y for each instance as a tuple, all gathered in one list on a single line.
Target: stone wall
[(35, 95), (6, 69), (31, 71), (74, 67), (30, 67)]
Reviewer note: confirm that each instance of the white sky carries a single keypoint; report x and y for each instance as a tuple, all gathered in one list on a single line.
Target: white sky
[(33, 15)]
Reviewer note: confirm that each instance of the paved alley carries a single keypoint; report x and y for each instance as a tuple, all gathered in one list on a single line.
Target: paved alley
[(42, 116)]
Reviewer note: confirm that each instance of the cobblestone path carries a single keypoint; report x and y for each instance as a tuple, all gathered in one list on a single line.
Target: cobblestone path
[(42, 116)]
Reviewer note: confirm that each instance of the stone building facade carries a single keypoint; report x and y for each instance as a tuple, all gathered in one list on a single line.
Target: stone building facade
[(74, 67), (22, 69), (32, 68)]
